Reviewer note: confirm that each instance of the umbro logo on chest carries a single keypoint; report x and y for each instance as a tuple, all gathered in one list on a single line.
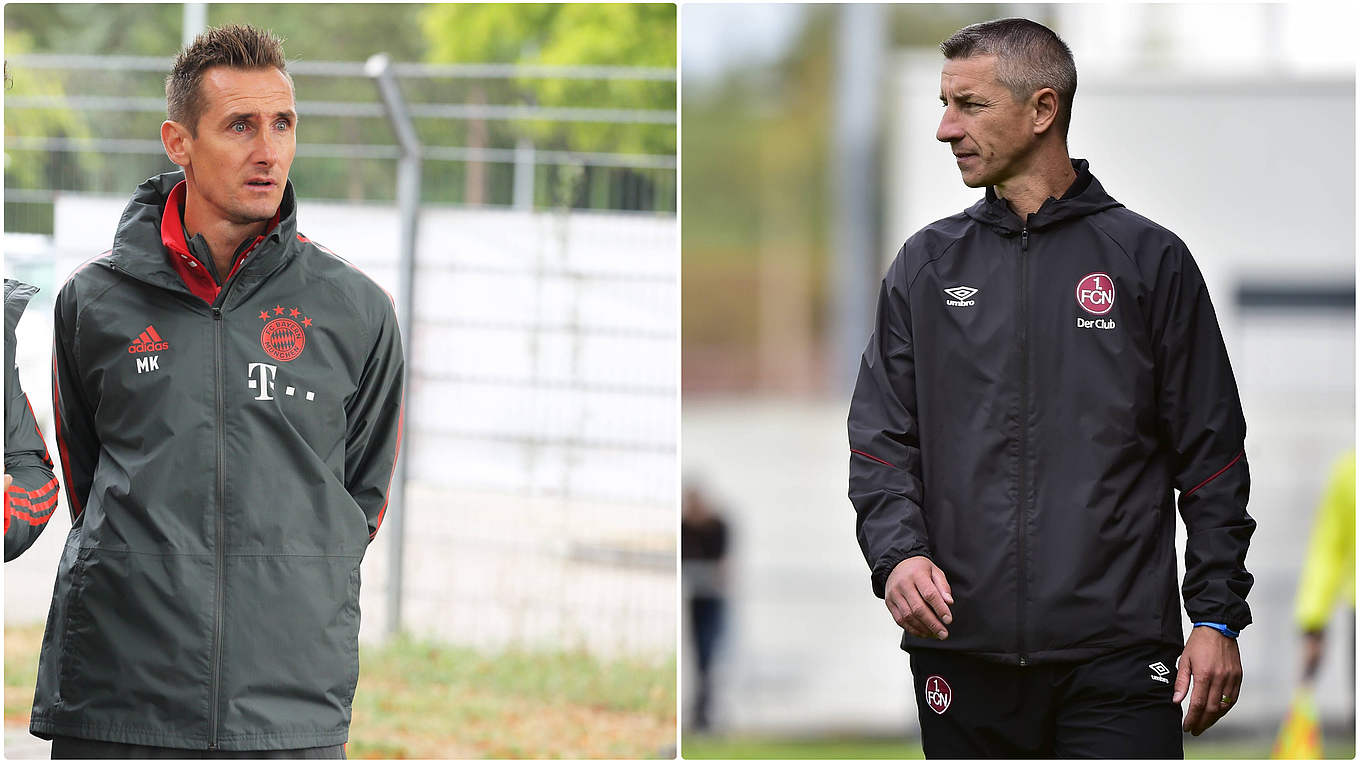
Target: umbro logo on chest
[(960, 296)]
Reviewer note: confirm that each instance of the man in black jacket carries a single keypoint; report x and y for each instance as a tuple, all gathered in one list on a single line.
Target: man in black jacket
[(1045, 369), (228, 399)]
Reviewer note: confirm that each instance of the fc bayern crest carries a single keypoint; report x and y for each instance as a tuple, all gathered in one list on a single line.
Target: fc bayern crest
[(938, 694), (1095, 293), (284, 334)]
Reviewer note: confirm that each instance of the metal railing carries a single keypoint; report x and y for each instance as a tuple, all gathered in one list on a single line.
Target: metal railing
[(520, 161)]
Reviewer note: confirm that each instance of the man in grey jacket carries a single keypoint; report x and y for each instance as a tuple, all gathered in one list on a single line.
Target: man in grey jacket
[(228, 400)]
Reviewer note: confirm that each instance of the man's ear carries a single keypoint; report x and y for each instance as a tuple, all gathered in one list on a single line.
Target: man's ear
[(176, 139), (1045, 109)]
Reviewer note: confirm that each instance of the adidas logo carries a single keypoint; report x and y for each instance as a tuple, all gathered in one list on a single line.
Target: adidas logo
[(148, 341)]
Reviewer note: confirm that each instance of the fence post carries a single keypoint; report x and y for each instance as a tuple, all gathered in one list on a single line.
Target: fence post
[(379, 68), (195, 19), (860, 41), (524, 174)]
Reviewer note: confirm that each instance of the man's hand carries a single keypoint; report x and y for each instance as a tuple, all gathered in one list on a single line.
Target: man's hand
[(918, 597), (1213, 661)]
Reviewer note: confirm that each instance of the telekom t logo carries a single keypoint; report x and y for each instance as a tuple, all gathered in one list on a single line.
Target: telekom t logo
[(262, 379), (1095, 293)]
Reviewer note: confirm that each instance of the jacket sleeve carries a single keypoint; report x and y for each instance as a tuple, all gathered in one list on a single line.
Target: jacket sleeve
[(32, 497), (1203, 430), (1330, 562), (374, 422), (72, 411), (885, 453)]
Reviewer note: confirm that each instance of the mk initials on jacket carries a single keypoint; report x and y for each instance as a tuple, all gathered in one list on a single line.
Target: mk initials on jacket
[(227, 452), (1031, 395)]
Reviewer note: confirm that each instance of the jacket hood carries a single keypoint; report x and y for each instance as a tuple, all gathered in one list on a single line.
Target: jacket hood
[(1086, 196), (137, 247)]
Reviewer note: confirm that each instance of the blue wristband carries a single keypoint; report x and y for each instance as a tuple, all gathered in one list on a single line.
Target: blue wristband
[(1223, 629)]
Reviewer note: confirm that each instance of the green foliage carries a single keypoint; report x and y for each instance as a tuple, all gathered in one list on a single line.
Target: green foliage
[(634, 34), (91, 29), (629, 35), (31, 168)]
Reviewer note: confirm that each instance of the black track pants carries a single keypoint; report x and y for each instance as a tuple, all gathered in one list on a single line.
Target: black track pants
[(1117, 705), (71, 747)]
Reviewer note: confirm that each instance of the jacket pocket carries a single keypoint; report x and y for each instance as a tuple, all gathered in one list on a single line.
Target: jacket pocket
[(290, 646), (136, 652)]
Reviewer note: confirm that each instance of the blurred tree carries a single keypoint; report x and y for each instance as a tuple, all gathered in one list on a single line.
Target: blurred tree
[(98, 29), (636, 34), (641, 35), (629, 34), (40, 168), (756, 188)]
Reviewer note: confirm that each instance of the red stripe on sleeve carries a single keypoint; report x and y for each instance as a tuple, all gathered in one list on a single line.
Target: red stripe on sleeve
[(1211, 477), (871, 456), (76, 506), (387, 496)]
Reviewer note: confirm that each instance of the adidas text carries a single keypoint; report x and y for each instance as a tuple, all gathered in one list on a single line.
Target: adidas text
[(144, 348)]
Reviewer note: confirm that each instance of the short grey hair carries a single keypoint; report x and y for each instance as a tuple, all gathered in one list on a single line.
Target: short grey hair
[(1029, 57)]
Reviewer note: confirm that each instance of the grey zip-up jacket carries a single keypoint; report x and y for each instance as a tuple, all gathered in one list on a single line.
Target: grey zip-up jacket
[(32, 497), (227, 465)]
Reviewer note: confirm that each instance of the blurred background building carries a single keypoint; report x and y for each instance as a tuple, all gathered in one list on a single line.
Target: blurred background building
[(540, 449), (809, 156)]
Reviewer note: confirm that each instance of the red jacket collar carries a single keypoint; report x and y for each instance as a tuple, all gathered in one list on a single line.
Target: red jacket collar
[(200, 282)]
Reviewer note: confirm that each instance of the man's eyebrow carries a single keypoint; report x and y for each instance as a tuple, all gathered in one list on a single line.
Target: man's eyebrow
[(290, 115)]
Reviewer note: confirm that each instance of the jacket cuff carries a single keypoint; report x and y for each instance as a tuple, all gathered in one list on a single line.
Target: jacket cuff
[(1232, 621), (1221, 628), (885, 564)]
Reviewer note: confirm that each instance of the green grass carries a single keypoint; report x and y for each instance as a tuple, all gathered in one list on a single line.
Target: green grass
[(699, 747), (713, 748), (419, 699)]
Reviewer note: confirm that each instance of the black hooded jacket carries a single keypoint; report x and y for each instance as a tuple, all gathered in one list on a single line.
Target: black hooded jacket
[(227, 463), (1030, 397)]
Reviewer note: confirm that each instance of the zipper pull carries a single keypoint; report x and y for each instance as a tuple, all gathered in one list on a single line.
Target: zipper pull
[(1024, 239), (217, 312)]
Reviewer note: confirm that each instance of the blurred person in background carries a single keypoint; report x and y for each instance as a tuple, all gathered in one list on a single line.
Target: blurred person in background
[(30, 487), (1045, 368), (703, 555), (228, 398), (1328, 577), (1329, 567)]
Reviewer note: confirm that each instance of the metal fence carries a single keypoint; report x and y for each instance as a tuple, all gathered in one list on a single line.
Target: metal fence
[(543, 351), (513, 153)]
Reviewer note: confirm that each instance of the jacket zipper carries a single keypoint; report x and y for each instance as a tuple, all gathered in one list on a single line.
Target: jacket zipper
[(1022, 584), (218, 612)]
